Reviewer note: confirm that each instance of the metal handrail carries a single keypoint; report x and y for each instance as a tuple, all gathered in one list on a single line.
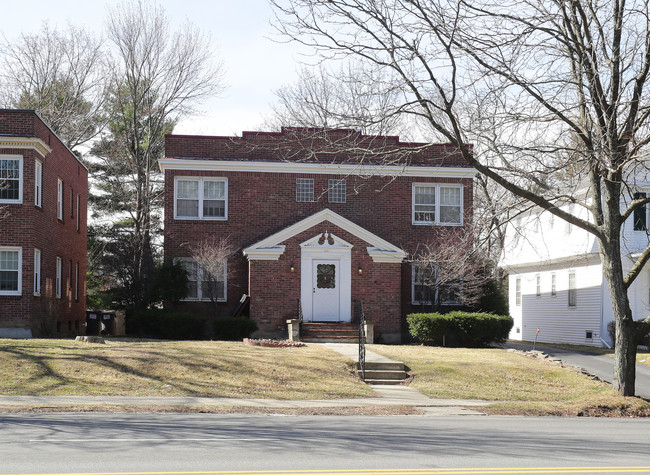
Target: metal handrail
[(362, 341), (299, 312)]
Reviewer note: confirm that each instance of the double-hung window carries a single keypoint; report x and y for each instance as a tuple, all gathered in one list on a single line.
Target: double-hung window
[(336, 191), (201, 198), (573, 290), (59, 198), (204, 286), (38, 183), (59, 265), (428, 287), (10, 270), (11, 179), (37, 272), (304, 190), (437, 204)]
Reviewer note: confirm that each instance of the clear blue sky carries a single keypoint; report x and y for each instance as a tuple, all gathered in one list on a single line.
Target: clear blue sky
[(255, 65)]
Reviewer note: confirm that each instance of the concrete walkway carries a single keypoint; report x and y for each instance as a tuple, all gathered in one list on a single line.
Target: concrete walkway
[(388, 396), (601, 366)]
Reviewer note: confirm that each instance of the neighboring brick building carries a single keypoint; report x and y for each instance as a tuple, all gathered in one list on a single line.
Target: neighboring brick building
[(43, 197), (327, 217)]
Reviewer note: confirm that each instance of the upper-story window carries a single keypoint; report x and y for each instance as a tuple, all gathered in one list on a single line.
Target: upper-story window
[(38, 183), (336, 191), (304, 189), (573, 290), (10, 270), (438, 204), (11, 179), (201, 198), (59, 198)]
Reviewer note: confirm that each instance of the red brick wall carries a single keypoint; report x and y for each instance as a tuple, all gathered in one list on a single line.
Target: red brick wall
[(261, 204), (30, 227)]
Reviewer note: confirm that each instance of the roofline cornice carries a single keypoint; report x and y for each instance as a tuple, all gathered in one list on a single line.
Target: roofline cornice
[(31, 143), (313, 168)]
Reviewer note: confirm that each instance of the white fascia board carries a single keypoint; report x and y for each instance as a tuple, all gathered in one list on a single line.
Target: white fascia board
[(274, 240), (314, 168), (30, 143), (379, 255), (264, 254), (559, 262)]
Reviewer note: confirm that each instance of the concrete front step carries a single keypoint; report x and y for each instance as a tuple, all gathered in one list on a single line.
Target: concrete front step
[(337, 339), (384, 374)]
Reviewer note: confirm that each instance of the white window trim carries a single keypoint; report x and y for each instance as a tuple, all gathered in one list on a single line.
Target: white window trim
[(313, 189), (78, 208), (59, 198), (76, 282), (200, 180), (19, 291), (437, 221), (58, 277), (199, 281), (334, 186), (538, 285), (445, 303), (518, 292), (38, 183), (37, 272), (574, 290), (20, 179), (553, 285)]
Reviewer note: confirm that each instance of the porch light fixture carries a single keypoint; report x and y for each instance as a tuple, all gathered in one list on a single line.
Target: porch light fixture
[(360, 270), (292, 268)]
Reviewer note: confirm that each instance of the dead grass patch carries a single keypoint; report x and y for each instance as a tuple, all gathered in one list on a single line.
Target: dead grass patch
[(169, 368), (517, 384)]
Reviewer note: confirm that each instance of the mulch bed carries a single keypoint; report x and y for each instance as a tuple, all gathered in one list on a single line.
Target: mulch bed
[(273, 343)]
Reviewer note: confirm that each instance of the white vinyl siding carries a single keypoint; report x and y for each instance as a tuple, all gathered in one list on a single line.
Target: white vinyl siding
[(38, 183), (11, 270), (37, 272), (201, 198), (437, 204), (557, 322), (11, 179)]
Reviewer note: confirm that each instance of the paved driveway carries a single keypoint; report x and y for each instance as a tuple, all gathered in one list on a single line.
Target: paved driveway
[(601, 366)]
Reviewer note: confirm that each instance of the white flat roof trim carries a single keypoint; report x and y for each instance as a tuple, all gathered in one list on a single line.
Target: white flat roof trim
[(31, 143), (381, 255), (314, 168), (264, 254)]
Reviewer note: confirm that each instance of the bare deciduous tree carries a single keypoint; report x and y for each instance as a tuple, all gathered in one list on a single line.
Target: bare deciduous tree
[(451, 274), (322, 97), (158, 77), (61, 75), (212, 256), (553, 92)]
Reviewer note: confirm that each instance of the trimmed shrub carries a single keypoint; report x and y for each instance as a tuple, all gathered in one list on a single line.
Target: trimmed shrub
[(168, 324), (233, 328), (460, 328)]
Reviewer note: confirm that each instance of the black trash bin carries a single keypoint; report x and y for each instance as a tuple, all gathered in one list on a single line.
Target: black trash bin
[(93, 322)]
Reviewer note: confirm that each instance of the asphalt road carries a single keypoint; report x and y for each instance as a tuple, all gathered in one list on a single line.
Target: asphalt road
[(202, 443)]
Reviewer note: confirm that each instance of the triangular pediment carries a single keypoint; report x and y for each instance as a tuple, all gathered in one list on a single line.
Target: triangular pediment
[(271, 248)]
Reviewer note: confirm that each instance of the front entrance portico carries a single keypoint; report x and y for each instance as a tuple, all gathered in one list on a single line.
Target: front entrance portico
[(325, 283)]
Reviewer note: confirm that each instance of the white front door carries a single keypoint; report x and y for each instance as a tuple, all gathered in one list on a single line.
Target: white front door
[(326, 286)]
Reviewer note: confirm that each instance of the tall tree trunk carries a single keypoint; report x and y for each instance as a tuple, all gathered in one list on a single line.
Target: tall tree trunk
[(612, 262)]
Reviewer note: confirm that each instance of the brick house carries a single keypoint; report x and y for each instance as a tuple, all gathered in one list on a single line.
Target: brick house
[(43, 197), (327, 218)]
